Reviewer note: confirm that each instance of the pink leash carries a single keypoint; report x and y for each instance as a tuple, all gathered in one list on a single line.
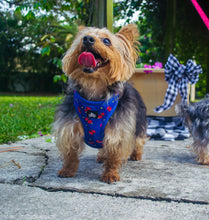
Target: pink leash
[(201, 13)]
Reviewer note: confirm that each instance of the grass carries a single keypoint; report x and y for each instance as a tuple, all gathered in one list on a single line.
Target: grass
[(26, 117)]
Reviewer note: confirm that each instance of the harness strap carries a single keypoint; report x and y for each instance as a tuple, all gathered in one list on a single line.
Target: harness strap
[(94, 117)]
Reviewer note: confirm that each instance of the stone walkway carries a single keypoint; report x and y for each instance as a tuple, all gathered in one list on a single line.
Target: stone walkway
[(168, 172)]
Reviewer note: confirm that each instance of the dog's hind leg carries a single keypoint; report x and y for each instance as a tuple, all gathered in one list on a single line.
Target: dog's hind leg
[(100, 156), (138, 150)]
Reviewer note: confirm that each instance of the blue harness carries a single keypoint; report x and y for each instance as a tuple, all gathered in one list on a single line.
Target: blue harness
[(94, 117)]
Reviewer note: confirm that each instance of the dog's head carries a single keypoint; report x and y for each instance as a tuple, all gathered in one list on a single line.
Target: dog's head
[(99, 54)]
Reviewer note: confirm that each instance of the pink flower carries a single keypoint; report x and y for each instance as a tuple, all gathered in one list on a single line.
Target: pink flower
[(157, 65), (40, 133), (147, 66)]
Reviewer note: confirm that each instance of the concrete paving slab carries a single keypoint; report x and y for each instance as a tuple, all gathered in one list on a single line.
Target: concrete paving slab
[(168, 172), (20, 162), (31, 203)]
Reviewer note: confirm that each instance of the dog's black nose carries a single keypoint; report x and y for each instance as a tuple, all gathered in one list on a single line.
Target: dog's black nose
[(88, 40)]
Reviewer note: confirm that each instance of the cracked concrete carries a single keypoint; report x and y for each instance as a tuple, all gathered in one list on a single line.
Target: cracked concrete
[(30, 160), (168, 172)]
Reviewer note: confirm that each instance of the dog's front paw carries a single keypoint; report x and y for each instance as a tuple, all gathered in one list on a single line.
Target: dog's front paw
[(109, 177), (64, 173), (203, 161)]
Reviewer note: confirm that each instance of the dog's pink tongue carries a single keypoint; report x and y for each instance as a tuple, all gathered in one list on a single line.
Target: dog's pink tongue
[(87, 59)]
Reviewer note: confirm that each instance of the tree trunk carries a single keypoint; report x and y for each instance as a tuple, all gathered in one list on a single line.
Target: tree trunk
[(110, 15), (103, 14), (170, 26), (99, 16)]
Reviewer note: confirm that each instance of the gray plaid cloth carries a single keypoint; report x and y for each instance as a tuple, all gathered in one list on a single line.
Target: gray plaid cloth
[(178, 76)]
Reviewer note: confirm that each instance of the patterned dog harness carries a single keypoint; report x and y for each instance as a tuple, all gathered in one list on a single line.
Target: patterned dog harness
[(94, 117)]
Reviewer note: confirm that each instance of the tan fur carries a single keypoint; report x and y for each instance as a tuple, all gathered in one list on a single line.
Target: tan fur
[(202, 153), (124, 45), (138, 150), (69, 136), (119, 142)]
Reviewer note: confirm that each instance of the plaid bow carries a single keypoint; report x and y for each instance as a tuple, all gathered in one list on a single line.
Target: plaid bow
[(178, 76)]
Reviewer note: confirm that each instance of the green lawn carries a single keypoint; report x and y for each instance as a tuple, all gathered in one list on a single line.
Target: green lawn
[(26, 117)]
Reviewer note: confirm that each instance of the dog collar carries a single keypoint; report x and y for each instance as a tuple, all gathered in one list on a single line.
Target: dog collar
[(94, 117)]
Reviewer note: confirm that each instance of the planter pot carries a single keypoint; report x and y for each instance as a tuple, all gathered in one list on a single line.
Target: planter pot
[(152, 87)]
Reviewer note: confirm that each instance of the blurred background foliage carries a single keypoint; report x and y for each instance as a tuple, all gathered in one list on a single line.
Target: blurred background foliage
[(34, 35)]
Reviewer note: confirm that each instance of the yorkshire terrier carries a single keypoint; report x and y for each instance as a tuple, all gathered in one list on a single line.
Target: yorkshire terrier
[(101, 109), (196, 118)]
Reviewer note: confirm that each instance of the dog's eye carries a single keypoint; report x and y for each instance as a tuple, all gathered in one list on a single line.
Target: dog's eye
[(106, 41)]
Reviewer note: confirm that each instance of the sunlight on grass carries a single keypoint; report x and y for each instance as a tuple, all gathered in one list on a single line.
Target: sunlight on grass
[(26, 116)]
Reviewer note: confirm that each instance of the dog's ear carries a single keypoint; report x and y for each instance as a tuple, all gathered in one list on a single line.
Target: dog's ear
[(130, 32), (129, 36)]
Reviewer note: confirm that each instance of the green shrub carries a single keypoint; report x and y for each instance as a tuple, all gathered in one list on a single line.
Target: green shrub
[(22, 117)]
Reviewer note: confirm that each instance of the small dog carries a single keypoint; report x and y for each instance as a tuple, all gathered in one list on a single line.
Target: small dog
[(196, 118), (101, 108)]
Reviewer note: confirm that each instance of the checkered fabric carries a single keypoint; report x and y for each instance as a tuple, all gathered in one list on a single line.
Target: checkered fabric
[(178, 76), (166, 128)]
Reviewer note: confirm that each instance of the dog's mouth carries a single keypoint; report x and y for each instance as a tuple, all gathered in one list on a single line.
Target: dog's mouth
[(91, 61)]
